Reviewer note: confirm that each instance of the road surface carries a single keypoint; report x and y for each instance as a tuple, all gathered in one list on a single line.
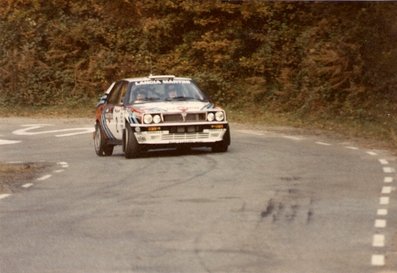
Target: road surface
[(276, 202)]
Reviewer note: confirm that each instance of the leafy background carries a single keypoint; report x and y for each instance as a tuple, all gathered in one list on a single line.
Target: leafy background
[(322, 59)]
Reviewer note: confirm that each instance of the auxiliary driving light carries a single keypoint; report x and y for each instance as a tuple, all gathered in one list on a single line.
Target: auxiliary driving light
[(210, 117)]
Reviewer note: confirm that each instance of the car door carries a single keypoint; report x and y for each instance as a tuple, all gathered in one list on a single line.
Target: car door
[(109, 123), (118, 112)]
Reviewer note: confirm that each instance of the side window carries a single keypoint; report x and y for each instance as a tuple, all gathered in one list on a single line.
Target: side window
[(123, 91), (114, 94)]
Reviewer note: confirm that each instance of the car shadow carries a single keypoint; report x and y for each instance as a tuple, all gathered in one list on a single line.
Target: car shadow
[(170, 152)]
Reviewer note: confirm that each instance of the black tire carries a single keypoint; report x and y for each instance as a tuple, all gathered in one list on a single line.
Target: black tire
[(222, 146), (131, 146), (101, 147)]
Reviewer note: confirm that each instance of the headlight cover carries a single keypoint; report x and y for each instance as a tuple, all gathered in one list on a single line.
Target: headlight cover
[(147, 118), (219, 116), (156, 119), (210, 117)]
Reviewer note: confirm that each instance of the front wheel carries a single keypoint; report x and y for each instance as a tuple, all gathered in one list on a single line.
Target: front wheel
[(101, 147), (222, 146), (131, 146)]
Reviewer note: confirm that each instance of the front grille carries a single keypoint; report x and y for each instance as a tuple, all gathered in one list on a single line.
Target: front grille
[(173, 118), (195, 117), (190, 117), (171, 137)]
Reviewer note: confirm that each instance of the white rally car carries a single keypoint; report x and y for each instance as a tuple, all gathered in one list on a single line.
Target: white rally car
[(157, 112)]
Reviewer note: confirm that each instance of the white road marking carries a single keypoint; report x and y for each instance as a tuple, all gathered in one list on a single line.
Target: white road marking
[(388, 179), (323, 143), (4, 195), (351, 148), (63, 164), (382, 212), (58, 171), (386, 189), (27, 185), (380, 223), (83, 131), (384, 200), (293, 137), (29, 127), (44, 177), (388, 170), (383, 161), (372, 153), (378, 240), (378, 260), (7, 142)]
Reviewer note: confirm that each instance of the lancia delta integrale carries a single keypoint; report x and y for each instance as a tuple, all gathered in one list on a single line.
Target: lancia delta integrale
[(158, 112)]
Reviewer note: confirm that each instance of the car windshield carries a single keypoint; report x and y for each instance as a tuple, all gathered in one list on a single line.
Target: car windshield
[(143, 92)]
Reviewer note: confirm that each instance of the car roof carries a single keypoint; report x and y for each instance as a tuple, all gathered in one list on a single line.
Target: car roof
[(158, 78)]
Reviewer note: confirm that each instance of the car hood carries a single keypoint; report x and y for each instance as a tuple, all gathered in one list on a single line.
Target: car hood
[(173, 106)]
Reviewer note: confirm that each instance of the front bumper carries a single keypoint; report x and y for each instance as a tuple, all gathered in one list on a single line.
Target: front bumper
[(180, 134)]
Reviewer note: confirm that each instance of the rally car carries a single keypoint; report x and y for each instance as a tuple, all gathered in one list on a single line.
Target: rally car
[(158, 112)]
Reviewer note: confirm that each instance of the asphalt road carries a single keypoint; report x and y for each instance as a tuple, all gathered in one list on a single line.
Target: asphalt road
[(276, 202)]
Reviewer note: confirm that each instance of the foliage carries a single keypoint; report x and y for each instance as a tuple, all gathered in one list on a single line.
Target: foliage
[(308, 58)]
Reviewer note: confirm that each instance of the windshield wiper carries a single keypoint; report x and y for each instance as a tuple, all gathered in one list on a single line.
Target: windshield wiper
[(182, 98), (151, 99)]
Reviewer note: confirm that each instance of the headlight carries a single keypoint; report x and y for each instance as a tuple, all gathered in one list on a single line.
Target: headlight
[(219, 116), (147, 119), (210, 116), (156, 119)]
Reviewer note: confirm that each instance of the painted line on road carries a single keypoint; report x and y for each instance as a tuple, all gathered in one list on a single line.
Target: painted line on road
[(63, 164), (378, 240), (384, 200), (388, 179), (27, 131), (351, 147), (383, 161), (4, 195), (371, 153), (378, 260), (382, 212), (27, 185), (7, 142), (386, 189), (293, 137), (44, 177), (380, 223), (323, 143), (388, 170)]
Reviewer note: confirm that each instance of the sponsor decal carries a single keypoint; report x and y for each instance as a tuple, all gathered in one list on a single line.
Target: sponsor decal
[(161, 82)]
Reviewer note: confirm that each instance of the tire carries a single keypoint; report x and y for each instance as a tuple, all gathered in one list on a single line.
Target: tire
[(223, 145), (131, 146), (101, 147)]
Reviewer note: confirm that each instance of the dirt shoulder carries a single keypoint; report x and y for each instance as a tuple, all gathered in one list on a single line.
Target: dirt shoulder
[(14, 175)]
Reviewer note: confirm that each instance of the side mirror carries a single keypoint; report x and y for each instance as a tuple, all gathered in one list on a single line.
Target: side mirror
[(102, 100)]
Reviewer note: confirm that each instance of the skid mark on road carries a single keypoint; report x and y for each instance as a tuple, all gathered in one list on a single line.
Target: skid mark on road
[(379, 239)]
